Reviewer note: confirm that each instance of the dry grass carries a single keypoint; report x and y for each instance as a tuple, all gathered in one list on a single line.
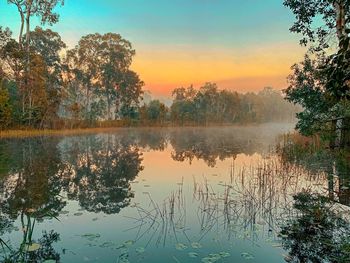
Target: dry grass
[(64, 132)]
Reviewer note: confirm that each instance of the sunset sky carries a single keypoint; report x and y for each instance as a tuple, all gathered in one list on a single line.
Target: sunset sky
[(242, 45)]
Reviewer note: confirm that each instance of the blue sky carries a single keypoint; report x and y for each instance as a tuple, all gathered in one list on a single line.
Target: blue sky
[(189, 34)]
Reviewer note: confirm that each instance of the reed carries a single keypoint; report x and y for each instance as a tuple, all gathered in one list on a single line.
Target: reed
[(65, 132), (254, 196)]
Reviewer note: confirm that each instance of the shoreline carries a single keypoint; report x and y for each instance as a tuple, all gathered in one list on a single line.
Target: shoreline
[(18, 133), (8, 134)]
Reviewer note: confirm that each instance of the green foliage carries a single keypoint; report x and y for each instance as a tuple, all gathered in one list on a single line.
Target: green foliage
[(315, 20), (321, 85), (156, 111), (5, 107), (306, 88), (211, 105)]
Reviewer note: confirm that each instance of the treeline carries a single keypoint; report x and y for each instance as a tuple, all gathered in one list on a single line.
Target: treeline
[(41, 88), (43, 84), (210, 105), (91, 82), (92, 85)]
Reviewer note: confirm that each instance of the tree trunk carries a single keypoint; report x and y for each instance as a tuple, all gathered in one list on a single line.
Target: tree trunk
[(27, 68), (333, 139), (21, 30), (345, 133), (339, 7)]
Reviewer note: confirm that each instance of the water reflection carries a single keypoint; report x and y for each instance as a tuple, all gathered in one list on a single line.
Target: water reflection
[(98, 172), (47, 182), (335, 166), (317, 232)]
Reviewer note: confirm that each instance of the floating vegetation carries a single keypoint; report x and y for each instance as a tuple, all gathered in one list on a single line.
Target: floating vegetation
[(140, 250), (108, 244), (33, 247), (193, 255), (129, 243), (91, 237), (196, 245), (64, 212), (224, 254), (78, 214), (180, 246), (211, 258), (247, 255)]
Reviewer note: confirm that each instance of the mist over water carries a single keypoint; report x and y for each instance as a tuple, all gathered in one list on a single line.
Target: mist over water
[(217, 194)]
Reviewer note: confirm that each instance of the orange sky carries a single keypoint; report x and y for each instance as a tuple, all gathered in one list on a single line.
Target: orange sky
[(164, 69)]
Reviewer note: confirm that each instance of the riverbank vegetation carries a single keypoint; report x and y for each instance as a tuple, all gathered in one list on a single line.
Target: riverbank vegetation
[(321, 83)]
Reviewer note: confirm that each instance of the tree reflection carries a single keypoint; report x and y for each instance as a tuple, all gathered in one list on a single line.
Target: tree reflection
[(317, 233), (32, 183), (100, 171), (335, 165), (30, 191), (31, 250), (211, 144)]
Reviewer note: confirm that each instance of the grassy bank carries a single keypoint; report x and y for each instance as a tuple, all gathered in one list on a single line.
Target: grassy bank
[(64, 132)]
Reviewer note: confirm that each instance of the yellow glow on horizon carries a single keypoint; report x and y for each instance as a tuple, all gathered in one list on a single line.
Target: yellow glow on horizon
[(164, 69)]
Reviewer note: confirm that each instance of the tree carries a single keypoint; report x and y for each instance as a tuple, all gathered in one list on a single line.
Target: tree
[(5, 107), (306, 88), (41, 8), (335, 69), (156, 111), (322, 32), (101, 64), (48, 45), (44, 9), (128, 94), (115, 76)]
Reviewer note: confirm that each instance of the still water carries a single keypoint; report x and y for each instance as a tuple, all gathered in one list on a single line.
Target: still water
[(150, 195)]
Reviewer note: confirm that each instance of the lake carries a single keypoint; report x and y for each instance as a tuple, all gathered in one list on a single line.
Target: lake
[(215, 194)]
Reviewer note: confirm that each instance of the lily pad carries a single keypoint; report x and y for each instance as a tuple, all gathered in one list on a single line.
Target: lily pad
[(140, 250), (129, 242), (180, 246), (78, 214), (107, 244), (193, 255), (247, 256), (211, 258), (33, 247), (90, 236), (64, 212), (224, 254), (196, 245)]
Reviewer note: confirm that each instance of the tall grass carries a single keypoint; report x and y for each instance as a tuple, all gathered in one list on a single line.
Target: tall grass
[(35, 133)]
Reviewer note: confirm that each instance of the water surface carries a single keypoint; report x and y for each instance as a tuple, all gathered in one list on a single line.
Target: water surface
[(150, 195)]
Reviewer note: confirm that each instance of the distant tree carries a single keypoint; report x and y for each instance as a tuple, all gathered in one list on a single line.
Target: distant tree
[(129, 93), (116, 56), (156, 111), (83, 62)]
